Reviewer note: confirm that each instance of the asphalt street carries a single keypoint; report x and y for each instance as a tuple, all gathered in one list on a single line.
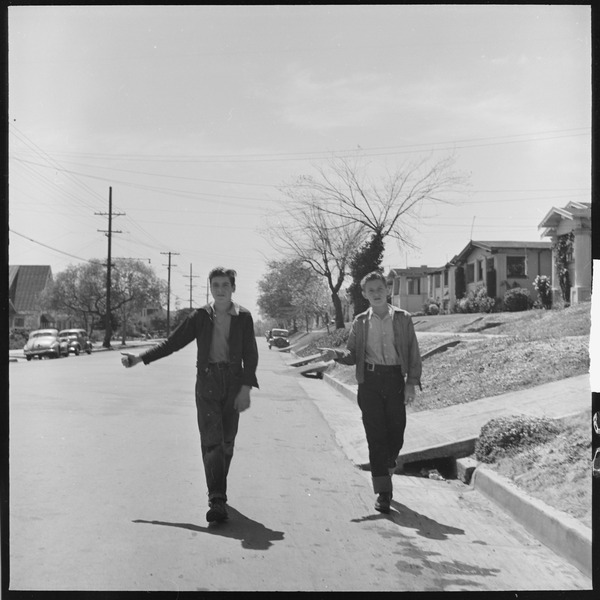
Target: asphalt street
[(107, 493)]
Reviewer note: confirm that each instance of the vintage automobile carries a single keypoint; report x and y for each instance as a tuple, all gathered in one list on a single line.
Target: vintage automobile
[(45, 342), (77, 340), (279, 338)]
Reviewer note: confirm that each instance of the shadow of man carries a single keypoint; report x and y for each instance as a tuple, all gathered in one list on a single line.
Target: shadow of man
[(422, 524), (252, 534)]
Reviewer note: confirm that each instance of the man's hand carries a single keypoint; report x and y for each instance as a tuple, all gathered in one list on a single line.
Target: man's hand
[(410, 393), (328, 354), (129, 360), (242, 400)]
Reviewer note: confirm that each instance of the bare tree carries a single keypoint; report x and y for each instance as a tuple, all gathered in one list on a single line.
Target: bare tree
[(319, 239), (386, 204)]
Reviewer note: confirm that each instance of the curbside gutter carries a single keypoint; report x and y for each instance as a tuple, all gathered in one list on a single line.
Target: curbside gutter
[(564, 534), (561, 532)]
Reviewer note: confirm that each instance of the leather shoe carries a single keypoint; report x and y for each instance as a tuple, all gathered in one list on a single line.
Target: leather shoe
[(382, 504), (217, 510)]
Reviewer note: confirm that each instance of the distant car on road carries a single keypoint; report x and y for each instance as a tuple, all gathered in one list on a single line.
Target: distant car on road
[(45, 342), (77, 340), (279, 338)]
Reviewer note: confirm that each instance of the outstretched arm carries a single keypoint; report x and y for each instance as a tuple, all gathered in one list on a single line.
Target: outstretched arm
[(130, 360)]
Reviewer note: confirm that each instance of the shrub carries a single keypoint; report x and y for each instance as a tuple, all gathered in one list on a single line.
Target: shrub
[(517, 299), (542, 286), (17, 339), (503, 436), (476, 301), (431, 307)]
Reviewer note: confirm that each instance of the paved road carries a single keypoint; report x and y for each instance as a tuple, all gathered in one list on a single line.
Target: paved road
[(108, 493)]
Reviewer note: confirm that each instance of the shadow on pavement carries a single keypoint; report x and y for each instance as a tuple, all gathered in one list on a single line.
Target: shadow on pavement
[(252, 534), (423, 525)]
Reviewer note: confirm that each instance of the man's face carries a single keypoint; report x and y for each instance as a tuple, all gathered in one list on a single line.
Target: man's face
[(221, 290), (376, 293)]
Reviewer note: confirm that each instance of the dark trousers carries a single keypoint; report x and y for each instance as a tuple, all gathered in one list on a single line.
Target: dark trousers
[(218, 425), (381, 401)]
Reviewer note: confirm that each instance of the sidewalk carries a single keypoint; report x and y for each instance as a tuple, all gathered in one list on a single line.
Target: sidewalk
[(452, 432)]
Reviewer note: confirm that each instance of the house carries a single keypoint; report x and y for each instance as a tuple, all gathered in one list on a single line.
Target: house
[(409, 287), (500, 267), (25, 286), (572, 225), (441, 286)]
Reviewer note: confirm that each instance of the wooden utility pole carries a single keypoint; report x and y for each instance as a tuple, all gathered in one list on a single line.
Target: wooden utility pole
[(190, 284), (169, 289), (108, 321)]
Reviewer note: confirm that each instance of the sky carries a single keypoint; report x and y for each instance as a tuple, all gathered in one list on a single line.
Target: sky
[(193, 117)]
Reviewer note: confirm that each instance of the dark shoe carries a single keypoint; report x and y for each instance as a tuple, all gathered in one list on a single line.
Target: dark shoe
[(217, 510), (382, 504)]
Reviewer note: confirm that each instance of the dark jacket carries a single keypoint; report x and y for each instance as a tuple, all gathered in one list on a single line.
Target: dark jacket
[(243, 351), (405, 342)]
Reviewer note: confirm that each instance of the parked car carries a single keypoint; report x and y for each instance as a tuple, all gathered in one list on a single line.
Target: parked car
[(77, 340), (279, 338), (45, 342)]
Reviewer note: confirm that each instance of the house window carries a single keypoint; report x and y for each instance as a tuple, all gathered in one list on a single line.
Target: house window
[(396, 287), (470, 272), (480, 270), (414, 286), (19, 322), (446, 278), (515, 266), (437, 280)]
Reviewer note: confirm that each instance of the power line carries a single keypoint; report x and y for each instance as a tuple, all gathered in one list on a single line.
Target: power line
[(56, 249)]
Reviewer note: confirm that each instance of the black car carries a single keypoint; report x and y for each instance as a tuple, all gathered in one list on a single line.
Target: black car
[(77, 340), (279, 338)]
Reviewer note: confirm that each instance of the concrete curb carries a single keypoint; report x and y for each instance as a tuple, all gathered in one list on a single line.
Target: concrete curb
[(561, 532), (564, 534)]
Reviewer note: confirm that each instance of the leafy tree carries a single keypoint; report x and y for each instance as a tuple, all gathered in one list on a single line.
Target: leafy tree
[(134, 286), (368, 258), (80, 291), (290, 291)]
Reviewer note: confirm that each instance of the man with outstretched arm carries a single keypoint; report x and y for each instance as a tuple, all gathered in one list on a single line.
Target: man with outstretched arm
[(227, 357)]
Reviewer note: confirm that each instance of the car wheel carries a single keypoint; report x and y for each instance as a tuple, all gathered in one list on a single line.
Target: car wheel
[(28, 358), (76, 351)]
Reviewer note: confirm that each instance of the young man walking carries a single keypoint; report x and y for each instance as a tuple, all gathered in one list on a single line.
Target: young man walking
[(383, 345), (227, 357)]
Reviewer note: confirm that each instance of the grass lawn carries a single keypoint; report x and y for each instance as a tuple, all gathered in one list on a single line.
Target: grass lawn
[(507, 352)]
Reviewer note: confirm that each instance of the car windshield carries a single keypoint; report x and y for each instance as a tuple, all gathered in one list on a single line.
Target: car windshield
[(280, 332), (37, 334), (67, 332)]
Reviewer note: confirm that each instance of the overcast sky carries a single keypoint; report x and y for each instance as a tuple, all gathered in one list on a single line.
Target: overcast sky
[(195, 115)]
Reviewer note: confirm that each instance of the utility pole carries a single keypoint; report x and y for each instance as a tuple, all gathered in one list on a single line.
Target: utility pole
[(190, 284), (169, 289), (108, 325)]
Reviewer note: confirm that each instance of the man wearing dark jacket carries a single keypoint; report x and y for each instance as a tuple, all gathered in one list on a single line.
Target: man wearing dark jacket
[(227, 357)]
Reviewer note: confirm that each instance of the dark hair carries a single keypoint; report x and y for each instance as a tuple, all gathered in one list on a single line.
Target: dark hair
[(373, 276), (222, 272)]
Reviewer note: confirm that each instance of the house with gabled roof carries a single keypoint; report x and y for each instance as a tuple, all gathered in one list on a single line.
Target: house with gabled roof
[(500, 266), (408, 288), (497, 266), (572, 223), (25, 286)]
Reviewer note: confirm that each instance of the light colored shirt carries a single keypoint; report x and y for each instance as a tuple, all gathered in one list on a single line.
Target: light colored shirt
[(381, 349), (219, 345)]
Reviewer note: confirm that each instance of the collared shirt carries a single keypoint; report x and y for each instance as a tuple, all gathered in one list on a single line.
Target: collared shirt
[(381, 349), (219, 344)]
